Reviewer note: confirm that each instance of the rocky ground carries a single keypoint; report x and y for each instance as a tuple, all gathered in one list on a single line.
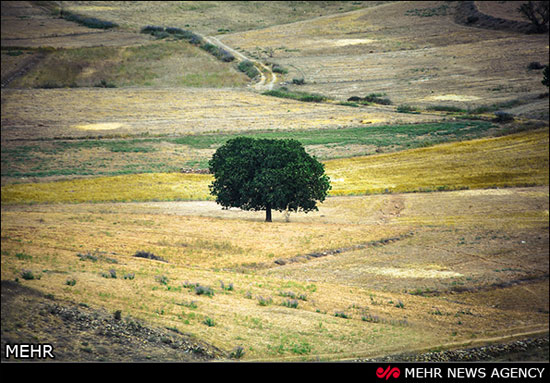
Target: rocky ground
[(80, 333), (531, 349)]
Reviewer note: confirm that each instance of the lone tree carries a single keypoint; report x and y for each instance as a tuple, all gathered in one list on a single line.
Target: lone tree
[(537, 13), (262, 174)]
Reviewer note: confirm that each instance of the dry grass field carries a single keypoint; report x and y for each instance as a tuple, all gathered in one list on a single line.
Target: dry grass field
[(212, 17), (85, 112), (434, 235), (372, 50), (373, 301)]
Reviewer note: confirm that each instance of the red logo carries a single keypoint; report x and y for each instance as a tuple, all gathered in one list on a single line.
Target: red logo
[(388, 372)]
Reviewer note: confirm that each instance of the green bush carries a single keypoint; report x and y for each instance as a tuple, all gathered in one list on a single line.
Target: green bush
[(209, 322), (204, 290), (237, 353), (291, 303), (248, 68), (110, 274), (446, 108), (264, 301), (90, 22), (151, 29), (501, 116), (407, 109), (373, 98), (294, 95), (341, 314), (27, 275), (279, 69)]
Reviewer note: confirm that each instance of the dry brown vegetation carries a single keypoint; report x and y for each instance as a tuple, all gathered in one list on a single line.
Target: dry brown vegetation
[(468, 246), (373, 51), (396, 263), (93, 112)]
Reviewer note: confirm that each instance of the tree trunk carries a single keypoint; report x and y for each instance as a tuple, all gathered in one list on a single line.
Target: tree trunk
[(268, 213)]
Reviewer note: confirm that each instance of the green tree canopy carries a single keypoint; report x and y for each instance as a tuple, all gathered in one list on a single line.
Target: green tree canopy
[(263, 174)]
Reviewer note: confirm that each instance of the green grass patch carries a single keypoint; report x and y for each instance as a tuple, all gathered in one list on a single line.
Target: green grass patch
[(295, 95), (142, 155)]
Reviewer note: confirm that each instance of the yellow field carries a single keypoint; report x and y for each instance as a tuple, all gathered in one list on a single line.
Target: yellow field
[(126, 188), (515, 160), (520, 159)]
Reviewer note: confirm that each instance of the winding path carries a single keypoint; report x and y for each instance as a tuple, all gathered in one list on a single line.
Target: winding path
[(267, 79)]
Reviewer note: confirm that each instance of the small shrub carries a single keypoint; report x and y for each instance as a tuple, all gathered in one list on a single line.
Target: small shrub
[(237, 353), (117, 315), (191, 305), (174, 31), (279, 69), (341, 314), (373, 98), (291, 303), (229, 287), (219, 53), (535, 65), (50, 85), (190, 285), (90, 22), (105, 84), (162, 279), (370, 318), (300, 96), (264, 301), (70, 282), (129, 276), (147, 255), (400, 305), (503, 117), (23, 256), (14, 53), (110, 274), (298, 81), (152, 28), (293, 295), (353, 104), (377, 99), (204, 290), (407, 109), (160, 35), (248, 68), (288, 294), (27, 275), (209, 322)]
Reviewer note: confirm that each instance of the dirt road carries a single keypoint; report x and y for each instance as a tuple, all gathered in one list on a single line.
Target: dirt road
[(267, 79)]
